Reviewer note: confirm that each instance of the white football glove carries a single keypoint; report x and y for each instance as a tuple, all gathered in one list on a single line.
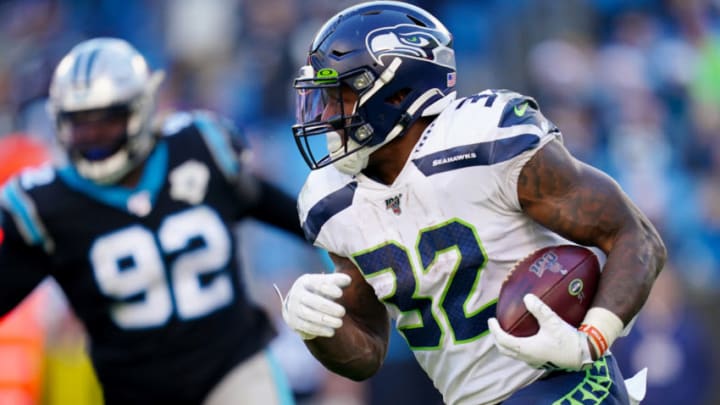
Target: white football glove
[(310, 308), (557, 345)]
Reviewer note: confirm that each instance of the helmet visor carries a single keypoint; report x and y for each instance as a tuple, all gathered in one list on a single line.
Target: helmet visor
[(317, 94), (324, 106)]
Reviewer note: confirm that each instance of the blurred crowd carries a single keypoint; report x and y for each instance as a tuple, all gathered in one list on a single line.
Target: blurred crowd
[(634, 85)]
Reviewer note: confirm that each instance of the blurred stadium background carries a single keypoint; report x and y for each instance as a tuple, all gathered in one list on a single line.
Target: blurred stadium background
[(633, 84)]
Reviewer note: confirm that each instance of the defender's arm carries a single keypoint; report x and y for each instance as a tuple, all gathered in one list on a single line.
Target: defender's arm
[(272, 206), (22, 267)]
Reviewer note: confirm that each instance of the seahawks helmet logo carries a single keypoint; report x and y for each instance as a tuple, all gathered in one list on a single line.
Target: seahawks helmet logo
[(410, 41)]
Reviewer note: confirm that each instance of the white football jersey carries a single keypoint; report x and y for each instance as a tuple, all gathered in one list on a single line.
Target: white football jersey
[(437, 244)]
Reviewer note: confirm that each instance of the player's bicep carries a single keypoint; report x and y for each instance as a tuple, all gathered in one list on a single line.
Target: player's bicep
[(360, 301), (573, 199)]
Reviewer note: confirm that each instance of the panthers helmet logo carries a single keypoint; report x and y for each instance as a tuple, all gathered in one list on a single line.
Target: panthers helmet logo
[(410, 41)]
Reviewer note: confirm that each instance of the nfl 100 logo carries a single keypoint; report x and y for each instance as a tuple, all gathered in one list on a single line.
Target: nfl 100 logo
[(547, 262), (393, 204)]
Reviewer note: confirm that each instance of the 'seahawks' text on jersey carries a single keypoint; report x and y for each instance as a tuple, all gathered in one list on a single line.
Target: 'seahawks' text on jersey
[(151, 271), (437, 243)]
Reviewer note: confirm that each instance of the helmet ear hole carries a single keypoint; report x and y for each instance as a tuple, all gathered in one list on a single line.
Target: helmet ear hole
[(398, 97)]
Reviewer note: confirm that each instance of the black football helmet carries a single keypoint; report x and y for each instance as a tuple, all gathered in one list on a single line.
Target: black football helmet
[(384, 51)]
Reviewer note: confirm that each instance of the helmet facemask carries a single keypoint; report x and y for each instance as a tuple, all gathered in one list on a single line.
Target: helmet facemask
[(346, 133)]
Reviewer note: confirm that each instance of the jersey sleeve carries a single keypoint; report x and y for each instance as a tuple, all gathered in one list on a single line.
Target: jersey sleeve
[(22, 266), (326, 193), (503, 130), (519, 113)]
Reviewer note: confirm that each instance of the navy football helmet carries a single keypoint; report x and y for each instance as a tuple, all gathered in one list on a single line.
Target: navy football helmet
[(397, 58)]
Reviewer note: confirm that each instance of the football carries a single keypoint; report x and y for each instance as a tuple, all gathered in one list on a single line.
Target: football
[(564, 277)]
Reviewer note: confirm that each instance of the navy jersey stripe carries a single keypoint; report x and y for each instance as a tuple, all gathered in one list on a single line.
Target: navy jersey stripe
[(326, 208), (152, 180), (478, 154)]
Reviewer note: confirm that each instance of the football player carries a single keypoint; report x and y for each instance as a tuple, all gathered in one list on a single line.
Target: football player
[(135, 226), (425, 202)]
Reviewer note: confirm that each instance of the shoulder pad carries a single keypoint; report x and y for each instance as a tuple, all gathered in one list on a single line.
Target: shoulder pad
[(22, 208), (326, 192), (176, 122), (219, 134), (37, 176), (522, 110), (483, 129), (219, 139), (504, 108), (179, 120), (497, 113)]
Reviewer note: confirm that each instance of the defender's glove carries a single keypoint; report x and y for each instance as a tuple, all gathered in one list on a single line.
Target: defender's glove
[(557, 345), (310, 308)]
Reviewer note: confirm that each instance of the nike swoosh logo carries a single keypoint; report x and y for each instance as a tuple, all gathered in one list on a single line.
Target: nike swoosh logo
[(520, 110)]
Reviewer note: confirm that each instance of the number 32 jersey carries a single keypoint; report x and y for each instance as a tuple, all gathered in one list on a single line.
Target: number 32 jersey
[(151, 271), (437, 243)]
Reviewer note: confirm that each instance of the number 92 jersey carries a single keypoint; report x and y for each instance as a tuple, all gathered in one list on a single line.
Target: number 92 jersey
[(151, 271), (437, 243)]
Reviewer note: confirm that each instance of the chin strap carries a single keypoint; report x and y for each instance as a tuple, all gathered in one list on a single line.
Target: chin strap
[(106, 171)]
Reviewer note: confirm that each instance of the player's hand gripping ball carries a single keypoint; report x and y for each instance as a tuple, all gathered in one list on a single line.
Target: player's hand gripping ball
[(564, 277)]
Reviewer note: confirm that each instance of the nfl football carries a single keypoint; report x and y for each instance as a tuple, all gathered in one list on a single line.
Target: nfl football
[(564, 277)]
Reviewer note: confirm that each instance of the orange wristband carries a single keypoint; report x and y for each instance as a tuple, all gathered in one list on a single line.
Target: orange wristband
[(603, 327), (597, 339)]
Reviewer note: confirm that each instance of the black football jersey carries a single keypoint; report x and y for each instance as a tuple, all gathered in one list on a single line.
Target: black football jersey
[(151, 271)]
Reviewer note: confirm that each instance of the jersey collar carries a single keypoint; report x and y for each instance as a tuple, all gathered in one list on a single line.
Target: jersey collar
[(120, 197)]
